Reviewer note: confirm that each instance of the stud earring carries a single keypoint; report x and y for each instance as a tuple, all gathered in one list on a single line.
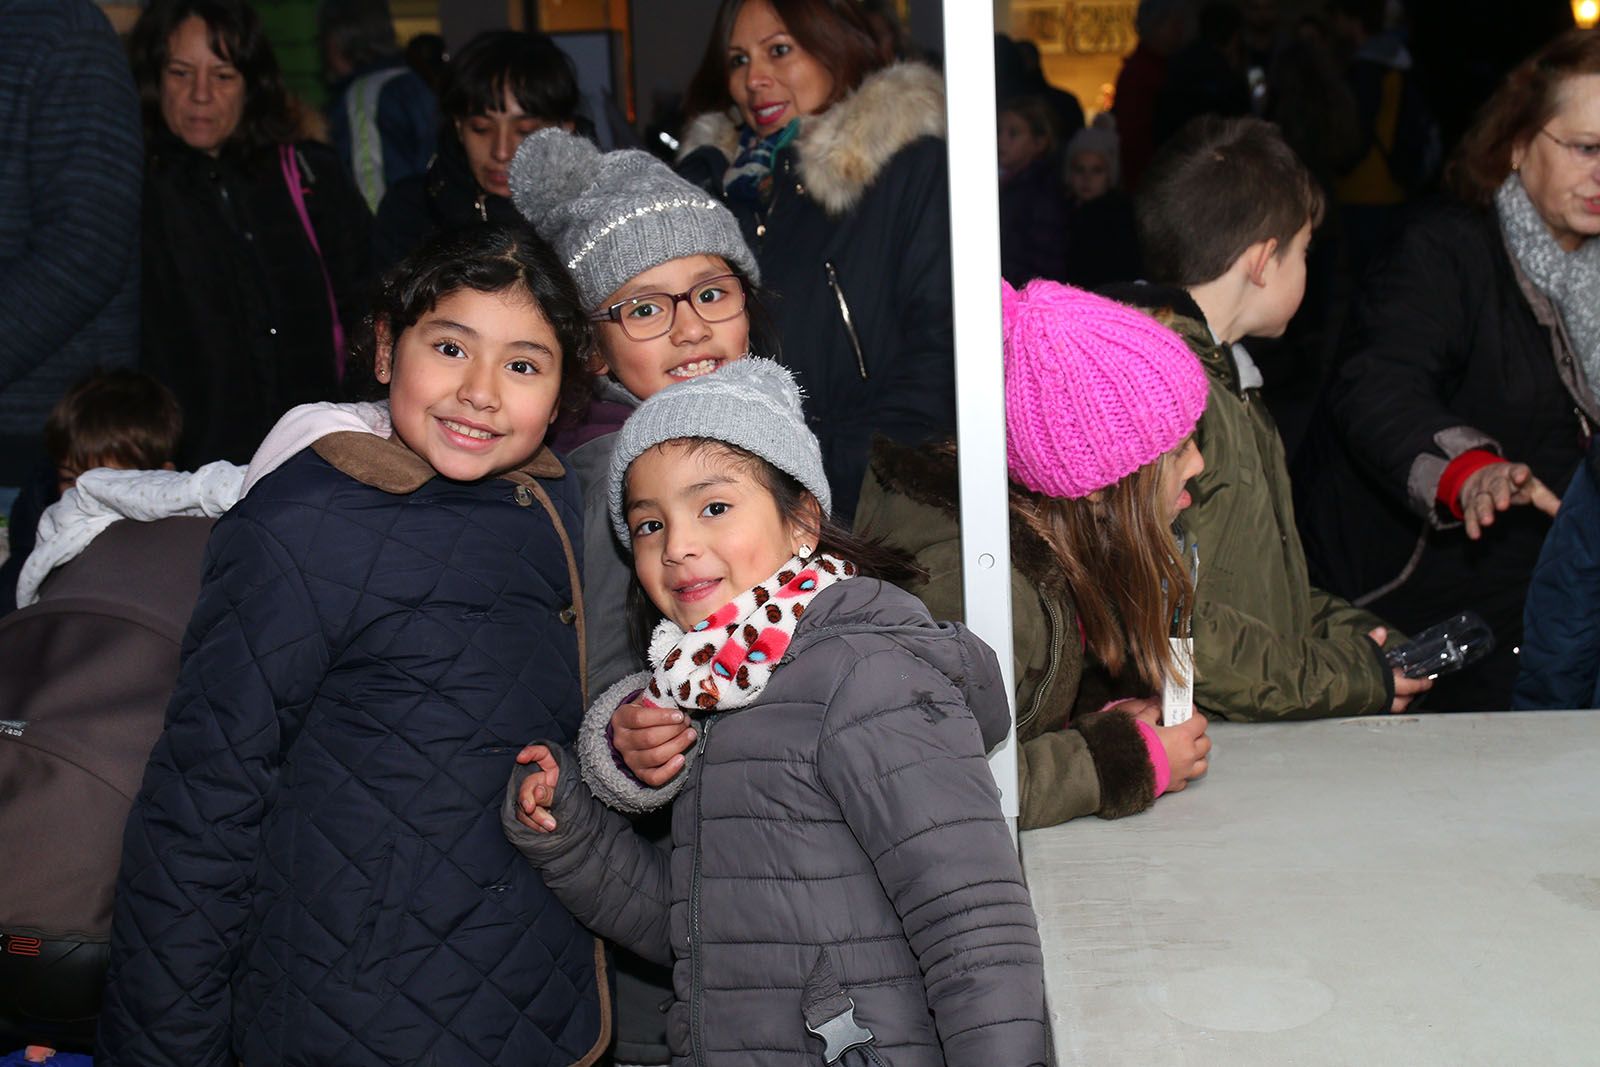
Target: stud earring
[(805, 552)]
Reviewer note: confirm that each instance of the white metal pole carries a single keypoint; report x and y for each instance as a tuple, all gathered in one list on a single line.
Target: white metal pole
[(980, 398)]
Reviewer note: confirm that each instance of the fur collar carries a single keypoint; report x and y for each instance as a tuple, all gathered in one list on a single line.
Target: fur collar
[(930, 478), (842, 151)]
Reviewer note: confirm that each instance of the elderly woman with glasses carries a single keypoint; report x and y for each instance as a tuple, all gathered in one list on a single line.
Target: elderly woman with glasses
[(1471, 378)]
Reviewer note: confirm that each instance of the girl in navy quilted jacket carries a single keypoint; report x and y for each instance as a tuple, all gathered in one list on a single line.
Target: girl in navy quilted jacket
[(313, 871)]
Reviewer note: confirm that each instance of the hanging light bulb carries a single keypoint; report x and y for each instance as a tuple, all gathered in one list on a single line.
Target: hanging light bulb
[(1586, 13)]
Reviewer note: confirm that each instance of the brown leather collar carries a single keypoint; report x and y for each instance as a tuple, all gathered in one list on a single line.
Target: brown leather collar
[(386, 463)]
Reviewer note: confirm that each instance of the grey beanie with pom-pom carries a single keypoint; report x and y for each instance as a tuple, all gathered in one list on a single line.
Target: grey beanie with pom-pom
[(753, 404), (612, 215)]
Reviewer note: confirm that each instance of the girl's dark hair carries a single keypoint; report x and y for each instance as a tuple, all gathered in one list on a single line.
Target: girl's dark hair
[(234, 33), (1525, 102), (489, 258), (834, 32), (538, 74), (798, 507)]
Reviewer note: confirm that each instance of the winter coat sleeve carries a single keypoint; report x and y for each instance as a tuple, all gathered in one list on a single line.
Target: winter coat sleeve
[(85, 169), (1409, 337), (900, 753), (1560, 661), (1071, 761), (1248, 671), (253, 659), (1334, 616), (612, 879), (613, 785)]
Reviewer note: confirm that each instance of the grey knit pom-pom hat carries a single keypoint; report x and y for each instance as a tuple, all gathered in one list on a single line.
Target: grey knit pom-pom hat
[(753, 404), (612, 215)]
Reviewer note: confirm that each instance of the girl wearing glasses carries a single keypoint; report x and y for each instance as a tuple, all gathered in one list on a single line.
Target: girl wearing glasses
[(671, 289), (669, 284), (1470, 380)]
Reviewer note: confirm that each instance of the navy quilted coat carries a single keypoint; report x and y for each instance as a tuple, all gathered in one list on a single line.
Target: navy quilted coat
[(314, 870)]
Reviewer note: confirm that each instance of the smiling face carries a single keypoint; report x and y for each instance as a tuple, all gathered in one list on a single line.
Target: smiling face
[(491, 141), (771, 78), (705, 528), (202, 94), (1563, 180), (474, 384), (691, 348), (1177, 467)]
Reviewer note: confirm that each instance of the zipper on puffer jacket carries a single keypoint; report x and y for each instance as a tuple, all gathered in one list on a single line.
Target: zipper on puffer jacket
[(844, 313), (696, 1045), (1056, 627)]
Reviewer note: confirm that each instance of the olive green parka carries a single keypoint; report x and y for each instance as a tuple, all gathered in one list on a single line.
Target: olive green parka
[(1073, 760)]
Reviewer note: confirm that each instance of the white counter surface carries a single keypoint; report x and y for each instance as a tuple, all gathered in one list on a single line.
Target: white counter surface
[(1405, 890)]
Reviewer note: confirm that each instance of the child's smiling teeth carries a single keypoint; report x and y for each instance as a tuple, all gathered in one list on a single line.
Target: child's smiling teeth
[(695, 369), (467, 431)]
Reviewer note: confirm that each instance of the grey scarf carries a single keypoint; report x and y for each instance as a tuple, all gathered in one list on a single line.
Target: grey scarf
[(1570, 279)]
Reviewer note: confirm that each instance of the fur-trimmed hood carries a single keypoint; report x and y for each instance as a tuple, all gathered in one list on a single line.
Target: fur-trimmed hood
[(842, 150), (929, 478)]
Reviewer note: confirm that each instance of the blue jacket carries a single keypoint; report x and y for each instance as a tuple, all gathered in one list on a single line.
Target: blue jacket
[(383, 120), (71, 165), (1560, 661), (313, 871)]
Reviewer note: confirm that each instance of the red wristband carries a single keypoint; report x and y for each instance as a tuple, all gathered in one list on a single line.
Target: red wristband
[(1158, 755), (1456, 474)]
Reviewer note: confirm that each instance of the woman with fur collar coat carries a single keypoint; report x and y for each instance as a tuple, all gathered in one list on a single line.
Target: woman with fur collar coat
[(835, 166)]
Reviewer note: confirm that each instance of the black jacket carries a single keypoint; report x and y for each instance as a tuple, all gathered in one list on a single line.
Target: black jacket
[(855, 253), (313, 871), (235, 313), (446, 198), (1447, 349), (1033, 210)]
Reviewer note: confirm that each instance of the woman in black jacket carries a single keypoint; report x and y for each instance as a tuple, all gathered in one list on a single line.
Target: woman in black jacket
[(256, 247), (835, 166), (500, 87), (1469, 378)]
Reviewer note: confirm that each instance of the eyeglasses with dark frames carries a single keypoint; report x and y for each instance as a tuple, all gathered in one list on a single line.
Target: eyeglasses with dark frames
[(650, 315)]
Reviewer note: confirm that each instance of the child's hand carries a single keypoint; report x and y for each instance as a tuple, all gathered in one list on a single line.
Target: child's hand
[(651, 741), (1186, 745), (538, 789), (1405, 689)]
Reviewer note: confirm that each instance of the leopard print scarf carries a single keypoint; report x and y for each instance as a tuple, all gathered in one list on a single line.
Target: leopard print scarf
[(725, 661)]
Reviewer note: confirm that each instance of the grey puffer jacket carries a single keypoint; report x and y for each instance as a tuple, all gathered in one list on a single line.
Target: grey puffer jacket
[(841, 836)]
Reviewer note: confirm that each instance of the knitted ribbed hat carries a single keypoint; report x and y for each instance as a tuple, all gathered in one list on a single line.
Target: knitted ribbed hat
[(753, 404), (612, 215), (1094, 390)]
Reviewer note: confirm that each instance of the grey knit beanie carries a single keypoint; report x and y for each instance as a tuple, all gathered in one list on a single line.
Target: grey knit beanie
[(612, 215), (753, 404)]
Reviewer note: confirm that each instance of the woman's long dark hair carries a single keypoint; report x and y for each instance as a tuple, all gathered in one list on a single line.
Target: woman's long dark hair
[(835, 32), (234, 33)]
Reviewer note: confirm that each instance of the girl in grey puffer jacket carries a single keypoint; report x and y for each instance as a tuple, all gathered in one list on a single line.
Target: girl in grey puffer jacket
[(841, 879)]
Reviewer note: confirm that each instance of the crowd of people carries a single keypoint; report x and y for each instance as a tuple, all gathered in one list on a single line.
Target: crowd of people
[(420, 487)]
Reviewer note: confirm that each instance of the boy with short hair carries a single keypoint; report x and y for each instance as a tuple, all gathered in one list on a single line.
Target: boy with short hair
[(110, 418), (115, 418), (1225, 216)]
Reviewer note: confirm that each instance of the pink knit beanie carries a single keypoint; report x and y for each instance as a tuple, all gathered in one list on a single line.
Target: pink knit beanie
[(1094, 389)]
